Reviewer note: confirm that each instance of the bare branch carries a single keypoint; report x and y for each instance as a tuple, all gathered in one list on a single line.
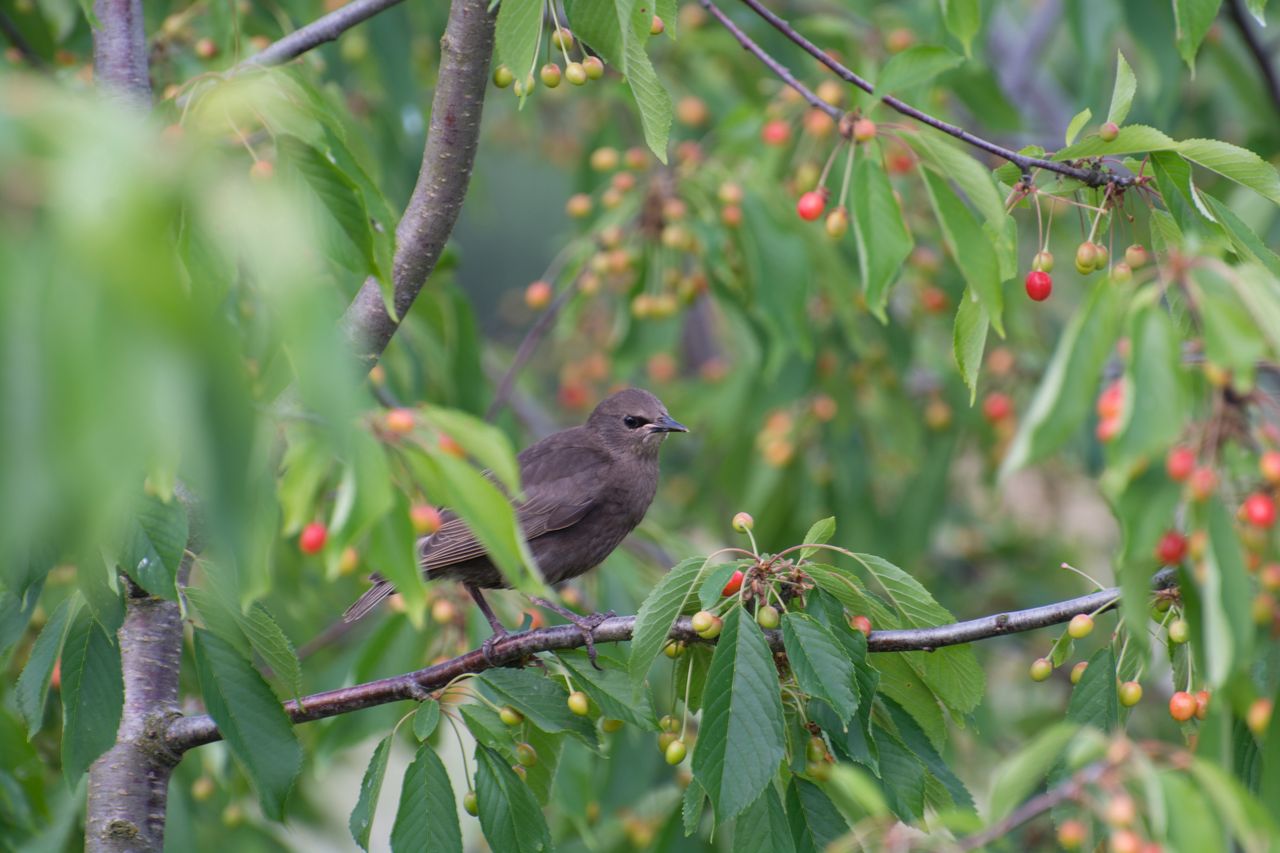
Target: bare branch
[(320, 31), (465, 52), (120, 50), (1092, 177), (1038, 805), (188, 732), (1257, 49)]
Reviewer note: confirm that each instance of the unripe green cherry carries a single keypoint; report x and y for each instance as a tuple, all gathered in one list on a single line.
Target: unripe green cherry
[(702, 621), (562, 39), (837, 223), (471, 803), (819, 770), (1086, 258), (1042, 262), (1179, 631), (665, 739), (1122, 273), (1102, 256), (1081, 626), (579, 703), (767, 617), (594, 67), (673, 649), (675, 752), (526, 755), (502, 77), (742, 522), (550, 75), (669, 724), (1109, 131), (1041, 668), (1136, 256), (575, 73), (510, 716), (609, 725), (1130, 693), (816, 750), (1077, 671)]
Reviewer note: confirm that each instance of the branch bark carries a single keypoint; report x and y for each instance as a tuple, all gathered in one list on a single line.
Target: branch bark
[(188, 732), (120, 51), (450, 152), (319, 31)]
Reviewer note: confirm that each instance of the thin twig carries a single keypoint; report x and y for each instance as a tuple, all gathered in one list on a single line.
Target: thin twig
[(1240, 17), (319, 31), (1090, 177), (187, 732), (1038, 805)]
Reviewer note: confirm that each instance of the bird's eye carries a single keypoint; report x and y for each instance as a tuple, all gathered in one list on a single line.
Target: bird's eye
[(633, 422)]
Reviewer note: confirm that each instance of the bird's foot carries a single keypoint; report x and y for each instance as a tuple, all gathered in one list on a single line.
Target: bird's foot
[(486, 647), (586, 624)]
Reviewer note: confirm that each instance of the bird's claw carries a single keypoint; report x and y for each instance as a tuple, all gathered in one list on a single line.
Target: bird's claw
[(586, 624), (486, 648)]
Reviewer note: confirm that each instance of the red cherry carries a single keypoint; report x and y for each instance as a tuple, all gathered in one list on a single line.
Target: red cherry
[(1039, 285), (776, 132), (996, 407), (811, 205), (1203, 482), (861, 623), (312, 538), (734, 584), (1260, 510), (1111, 401), (1180, 462), (1182, 706), (1172, 548), (1202, 704)]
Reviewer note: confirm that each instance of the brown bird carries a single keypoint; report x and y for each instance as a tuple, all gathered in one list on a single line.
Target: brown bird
[(585, 489)]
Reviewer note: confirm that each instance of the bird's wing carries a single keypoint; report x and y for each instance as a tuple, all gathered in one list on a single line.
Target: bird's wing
[(562, 483)]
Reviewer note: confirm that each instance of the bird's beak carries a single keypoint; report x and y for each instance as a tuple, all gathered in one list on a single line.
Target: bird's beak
[(666, 423)]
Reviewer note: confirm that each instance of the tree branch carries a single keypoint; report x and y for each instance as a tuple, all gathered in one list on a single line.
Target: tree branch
[(319, 31), (450, 151), (1094, 177), (120, 50), (1038, 805), (20, 43), (187, 732), (1271, 80)]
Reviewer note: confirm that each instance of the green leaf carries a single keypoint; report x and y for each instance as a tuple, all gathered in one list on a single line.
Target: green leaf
[(33, 684), (518, 35), (741, 742), (393, 553), (1231, 161), (250, 719), (711, 588), (815, 821), (902, 775), (879, 231), (1145, 510), (613, 692), (1248, 246), (960, 167), (652, 99), (364, 494), (484, 442), (963, 19), (338, 193), (607, 27), (361, 821), (659, 612), (1133, 139), (306, 464), (509, 814), (819, 534), (1192, 20), (427, 818), (1094, 701), (1016, 777), (92, 694), (1251, 823), (970, 339), (819, 665), (269, 641), (1225, 598), (543, 701), (913, 66), (1062, 402), (1157, 397), (918, 742), (763, 827), (426, 718), (691, 807), (1122, 95), (1077, 123), (968, 246), (1232, 337), (155, 542)]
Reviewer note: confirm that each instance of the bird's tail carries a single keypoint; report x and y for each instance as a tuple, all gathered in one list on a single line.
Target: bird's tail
[(373, 595)]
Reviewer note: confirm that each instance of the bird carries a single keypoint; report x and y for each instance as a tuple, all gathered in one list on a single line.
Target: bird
[(585, 488)]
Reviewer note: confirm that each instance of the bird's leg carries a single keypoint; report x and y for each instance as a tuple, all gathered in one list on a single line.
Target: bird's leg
[(586, 624), (499, 631)]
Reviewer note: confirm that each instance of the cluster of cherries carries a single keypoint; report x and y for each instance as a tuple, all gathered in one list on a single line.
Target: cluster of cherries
[(1090, 257)]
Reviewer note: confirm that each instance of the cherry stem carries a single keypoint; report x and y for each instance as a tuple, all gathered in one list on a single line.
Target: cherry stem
[(848, 173)]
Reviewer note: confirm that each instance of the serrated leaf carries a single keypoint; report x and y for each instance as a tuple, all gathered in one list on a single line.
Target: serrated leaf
[(740, 743), (92, 694), (509, 813), (969, 339), (613, 692), (1122, 94), (1094, 701), (763, 827), (691, 806), (1132, 139), (879, 232), (915, 739), (815, 821), (427, 817), (963, 19), (155, 541), (1077, 123), (249, 718), (270, 642), (517, 35), (902, 776), (973, 179), (1249, 247), (968, 246), (426, 718), (543, 702), (1062, 404), (652, 99), (33, 684), (1231, 161), (219, 616), (819, 533), (819, 665), (1192, 20), (659, 612), (913, 66), (1016, 777), (360, 823)]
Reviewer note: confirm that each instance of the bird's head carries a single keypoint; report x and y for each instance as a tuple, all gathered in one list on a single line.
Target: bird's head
[(633, 421)]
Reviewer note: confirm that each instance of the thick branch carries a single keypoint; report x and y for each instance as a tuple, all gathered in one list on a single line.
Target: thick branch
[(1091, 177), (437, 199), (319, 31), (187, 732), (1271, 79), (120, 50)]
